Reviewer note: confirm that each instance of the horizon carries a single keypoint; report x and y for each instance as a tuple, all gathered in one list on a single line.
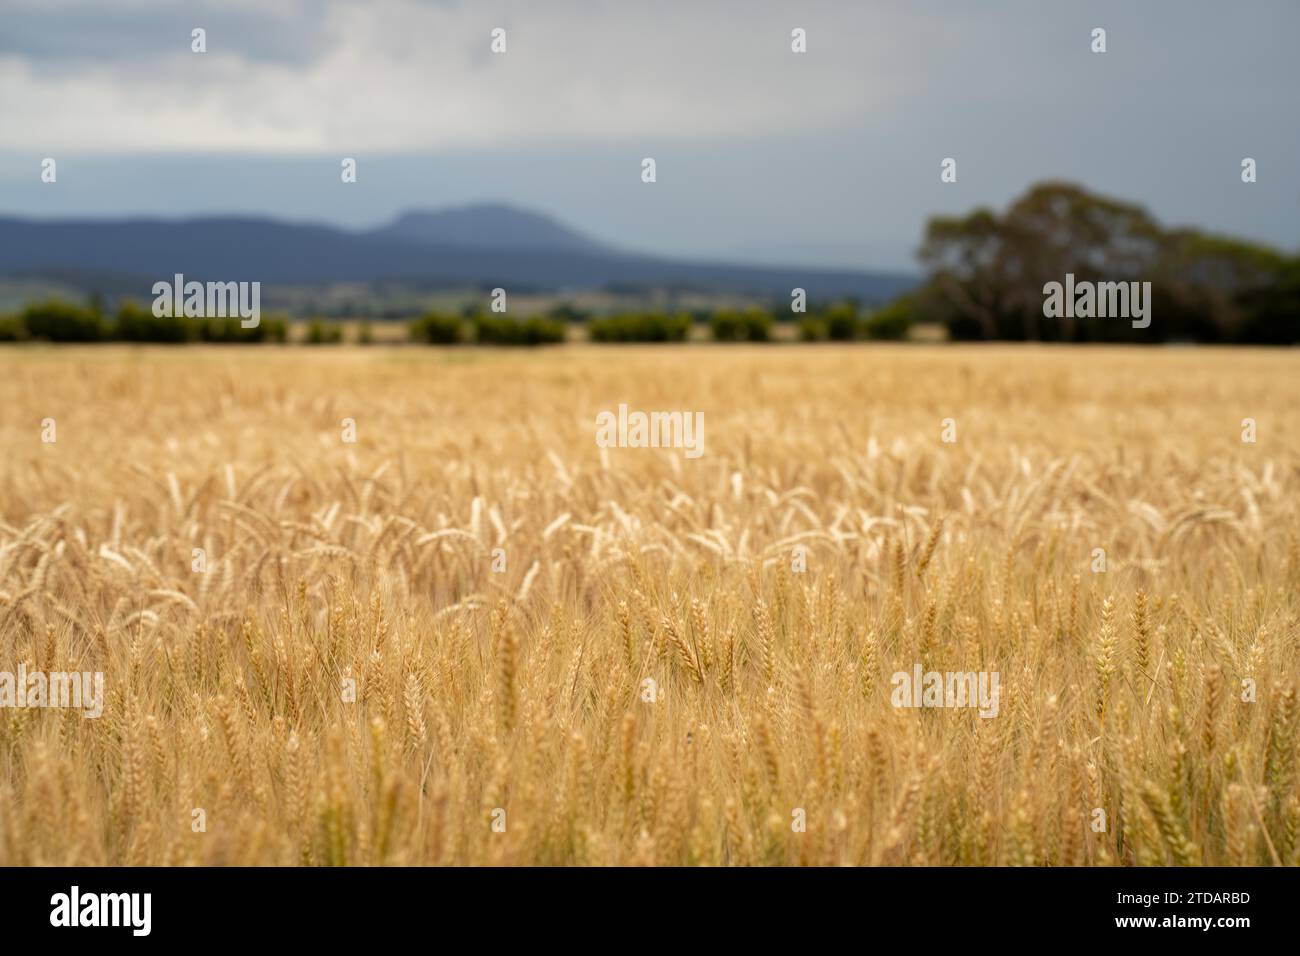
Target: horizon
[(480, 205)]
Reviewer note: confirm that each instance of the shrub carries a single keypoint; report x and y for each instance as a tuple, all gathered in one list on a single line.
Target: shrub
[(229, 330), (751, 325), (12, 328), (812, 328), (59, 321), (324, 333), (640, 327), (274, 329), (136, 323), (841, 321), (497, 329), (365, 333), (892, 322), (436, 328)]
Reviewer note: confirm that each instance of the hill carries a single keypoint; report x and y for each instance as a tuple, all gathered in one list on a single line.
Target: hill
[(485, 245)]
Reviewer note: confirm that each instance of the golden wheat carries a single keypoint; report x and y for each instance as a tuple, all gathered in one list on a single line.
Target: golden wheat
[(349, 671)]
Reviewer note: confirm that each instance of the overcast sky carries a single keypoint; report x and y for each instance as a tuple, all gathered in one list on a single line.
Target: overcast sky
[(831, 157)]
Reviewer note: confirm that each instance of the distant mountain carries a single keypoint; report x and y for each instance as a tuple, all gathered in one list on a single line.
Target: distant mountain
[(481, 246), (490, 226)]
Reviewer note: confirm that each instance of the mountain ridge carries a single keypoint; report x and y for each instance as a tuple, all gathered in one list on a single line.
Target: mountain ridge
[(498, 225), (478, 244)]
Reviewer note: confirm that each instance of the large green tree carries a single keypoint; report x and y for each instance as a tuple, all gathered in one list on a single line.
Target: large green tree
[(987, 272)]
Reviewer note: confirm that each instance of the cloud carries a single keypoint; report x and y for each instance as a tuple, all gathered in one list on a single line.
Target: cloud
[(343, 76), (58, 33), (829, 155)]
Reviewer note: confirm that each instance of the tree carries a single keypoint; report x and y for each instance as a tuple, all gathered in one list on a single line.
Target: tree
[(987, 272)]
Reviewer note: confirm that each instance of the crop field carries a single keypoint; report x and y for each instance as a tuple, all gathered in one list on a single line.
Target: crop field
[(387, 606)]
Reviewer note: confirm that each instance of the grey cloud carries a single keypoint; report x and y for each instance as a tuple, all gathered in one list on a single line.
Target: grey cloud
[(49, 36)]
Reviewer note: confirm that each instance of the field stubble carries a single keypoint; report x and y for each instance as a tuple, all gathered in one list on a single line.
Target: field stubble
[(523, 691)]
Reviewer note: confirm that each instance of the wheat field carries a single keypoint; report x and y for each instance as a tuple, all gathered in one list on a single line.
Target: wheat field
[(651, 679)]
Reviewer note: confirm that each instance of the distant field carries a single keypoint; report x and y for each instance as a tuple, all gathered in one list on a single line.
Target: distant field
[(349, 680)]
